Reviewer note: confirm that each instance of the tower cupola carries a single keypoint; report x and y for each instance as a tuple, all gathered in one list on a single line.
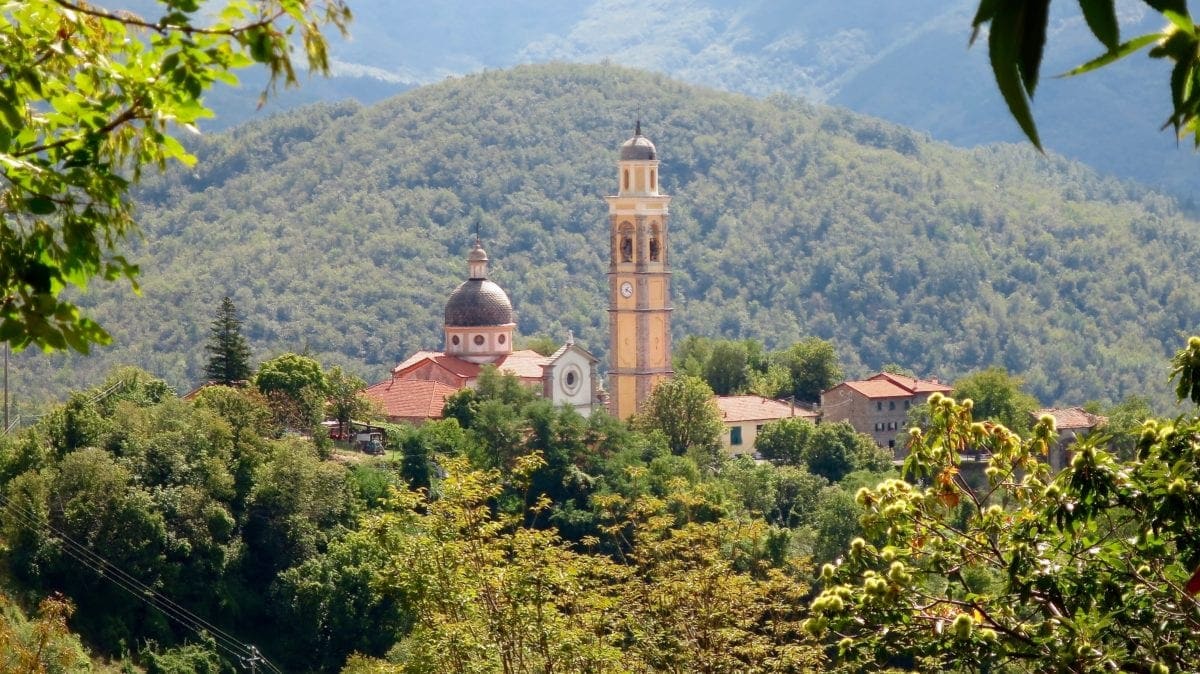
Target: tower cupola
[(638, 165), (638, 148)]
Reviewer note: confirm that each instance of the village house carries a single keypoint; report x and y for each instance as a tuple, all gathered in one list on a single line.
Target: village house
[(1072, 424), (878, 406), (745, 415)]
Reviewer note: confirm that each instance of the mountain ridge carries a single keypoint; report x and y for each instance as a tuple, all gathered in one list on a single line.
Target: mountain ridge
[(342, 228)]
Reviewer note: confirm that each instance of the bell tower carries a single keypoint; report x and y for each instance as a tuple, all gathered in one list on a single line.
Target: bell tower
[(639, 279)]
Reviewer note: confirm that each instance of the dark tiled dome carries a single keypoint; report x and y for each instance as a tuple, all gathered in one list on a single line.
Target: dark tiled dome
[(478, 302), (638, 148)]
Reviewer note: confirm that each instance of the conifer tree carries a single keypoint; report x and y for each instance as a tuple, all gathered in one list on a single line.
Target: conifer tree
[(229, 354)]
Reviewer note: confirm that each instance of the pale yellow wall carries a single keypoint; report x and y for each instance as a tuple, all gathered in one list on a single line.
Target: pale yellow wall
[(657, 289), (657, 356), (626, 356), (625, 394)]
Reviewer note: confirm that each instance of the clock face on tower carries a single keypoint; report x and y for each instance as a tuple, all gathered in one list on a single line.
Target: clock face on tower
[(627, 289)]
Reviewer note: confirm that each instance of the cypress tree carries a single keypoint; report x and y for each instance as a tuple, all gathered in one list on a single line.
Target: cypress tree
[(229, 354)]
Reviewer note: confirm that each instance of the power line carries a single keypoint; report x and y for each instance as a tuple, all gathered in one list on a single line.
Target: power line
[(246, 654)]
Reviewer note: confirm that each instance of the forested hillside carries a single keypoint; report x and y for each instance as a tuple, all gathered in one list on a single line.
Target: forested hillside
[(907, 62), (341, 230)]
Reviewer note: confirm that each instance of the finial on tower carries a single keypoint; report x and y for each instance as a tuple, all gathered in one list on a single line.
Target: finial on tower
[(637, 128)]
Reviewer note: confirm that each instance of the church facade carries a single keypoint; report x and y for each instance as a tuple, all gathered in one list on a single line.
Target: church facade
[(479, 323)]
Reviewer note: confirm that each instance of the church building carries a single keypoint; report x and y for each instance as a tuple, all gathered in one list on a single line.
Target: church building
[(478, 331), (479, 322)]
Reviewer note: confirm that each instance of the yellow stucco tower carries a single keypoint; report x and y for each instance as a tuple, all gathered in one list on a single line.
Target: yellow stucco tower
[(639, 279)]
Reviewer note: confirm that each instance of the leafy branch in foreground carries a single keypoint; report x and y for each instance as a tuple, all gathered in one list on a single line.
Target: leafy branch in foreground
[(88, 99), (1017, 36), (1092, 569)]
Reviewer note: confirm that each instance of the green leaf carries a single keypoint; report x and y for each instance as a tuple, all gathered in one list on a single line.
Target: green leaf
[(1180, 84), (1181, 20), (1119, 53), (987, 9), (1031, 37), (1164, 6), (1003, 49), (1101, 16)]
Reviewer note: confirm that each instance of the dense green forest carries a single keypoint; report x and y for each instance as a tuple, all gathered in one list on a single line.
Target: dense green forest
[(341, 229), (141, 532), (182, 531)]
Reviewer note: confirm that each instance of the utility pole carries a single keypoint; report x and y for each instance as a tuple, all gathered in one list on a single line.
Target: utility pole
[(6, 348), (251, 662)]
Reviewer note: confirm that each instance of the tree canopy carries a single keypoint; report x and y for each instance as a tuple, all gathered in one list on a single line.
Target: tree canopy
[(89, 99), (1090, 569), (683, 410)]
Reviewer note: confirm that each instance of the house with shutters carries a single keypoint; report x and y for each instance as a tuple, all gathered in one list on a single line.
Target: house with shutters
[(878, 406)]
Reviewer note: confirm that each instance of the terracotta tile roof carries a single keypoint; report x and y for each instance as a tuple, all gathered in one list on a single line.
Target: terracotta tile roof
[(525, 364), (888, 385), (911, 384), (1072, 418), (456, 366), (406, 398), (410, 398), (758, 408)]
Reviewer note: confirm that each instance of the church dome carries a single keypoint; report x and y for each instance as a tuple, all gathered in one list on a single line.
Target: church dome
[(638, 148), (478, 302)]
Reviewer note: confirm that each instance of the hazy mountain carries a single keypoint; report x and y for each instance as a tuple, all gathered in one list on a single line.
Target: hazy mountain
[(341, 229), (905, 62)]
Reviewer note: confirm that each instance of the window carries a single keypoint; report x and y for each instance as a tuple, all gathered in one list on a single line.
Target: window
[(571, 378), (735, 435), (879, 406), (653, 179), (907, 403), (758, 428), (891, 444), (478, 340), (455, 340), (626, 178), (891, 404), (500, 339), (654, 252), (626, 242)]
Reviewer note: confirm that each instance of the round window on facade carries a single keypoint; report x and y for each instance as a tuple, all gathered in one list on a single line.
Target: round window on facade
[(478, 340), (500, 339), (455, 340), (571, 379)]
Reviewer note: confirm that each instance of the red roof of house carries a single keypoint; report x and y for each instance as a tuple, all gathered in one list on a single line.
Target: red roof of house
[(410, 398), (757, 408), (888, 385), (524, 364), (1069, 418), (912, 384)]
